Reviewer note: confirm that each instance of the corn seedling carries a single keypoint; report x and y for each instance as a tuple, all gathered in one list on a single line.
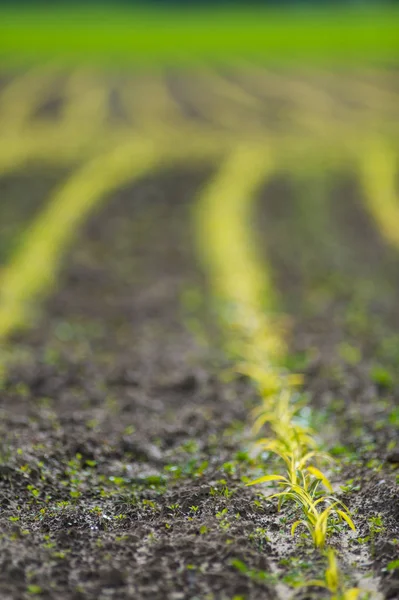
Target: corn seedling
[(295, 444), (333, 581), (298, 472), (281, 417), (301, 486)]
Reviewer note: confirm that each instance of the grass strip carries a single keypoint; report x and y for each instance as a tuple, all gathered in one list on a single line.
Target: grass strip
[(107, 35)]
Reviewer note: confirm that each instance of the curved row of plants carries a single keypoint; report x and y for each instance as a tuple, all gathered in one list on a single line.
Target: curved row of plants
[(254, 337), (242, 286)]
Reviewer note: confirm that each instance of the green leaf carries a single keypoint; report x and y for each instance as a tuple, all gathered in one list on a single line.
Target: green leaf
[(313, 582), (295, 525), (239, 565), (268, 478), (34, 589), (346, 518), (319, 475)]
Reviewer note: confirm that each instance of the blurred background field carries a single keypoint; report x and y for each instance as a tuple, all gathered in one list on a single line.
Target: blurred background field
[(161, 32), (153, 156), (94, 89)]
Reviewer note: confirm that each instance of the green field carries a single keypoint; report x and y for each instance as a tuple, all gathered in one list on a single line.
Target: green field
[(109, 35)]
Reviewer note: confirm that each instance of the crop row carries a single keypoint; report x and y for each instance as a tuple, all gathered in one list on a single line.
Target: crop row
[(104, 158)]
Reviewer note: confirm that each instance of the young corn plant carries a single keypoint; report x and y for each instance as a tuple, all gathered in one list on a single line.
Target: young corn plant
[(301, 484), (282, 419), (333, 581), (294, 441), (298, 471), (319, 522)]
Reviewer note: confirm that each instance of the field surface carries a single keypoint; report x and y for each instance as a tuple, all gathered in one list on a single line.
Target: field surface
[(140, 212), (119, 33)]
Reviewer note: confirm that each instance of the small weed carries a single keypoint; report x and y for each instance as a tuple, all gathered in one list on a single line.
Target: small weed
[(150, 504), (243, 457), (253, 574), (229, 468), (363, 540), (376, 526), (382, 377), (394, 417), (174, 470), (33, 491), (34, 590), (259, 537), (223, 491), (296, 567), (350, 354), (350, 486), (393, 565)]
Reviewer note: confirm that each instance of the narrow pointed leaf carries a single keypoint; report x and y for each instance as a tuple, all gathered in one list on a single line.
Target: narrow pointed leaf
[(295, 525), (268, 478), (312, 583), (346, 518), (319, 475)]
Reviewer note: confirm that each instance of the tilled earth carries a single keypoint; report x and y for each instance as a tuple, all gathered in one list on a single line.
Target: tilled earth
[(124, 445)]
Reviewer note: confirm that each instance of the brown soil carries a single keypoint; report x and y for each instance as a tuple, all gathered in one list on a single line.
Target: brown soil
[(122, 448)]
